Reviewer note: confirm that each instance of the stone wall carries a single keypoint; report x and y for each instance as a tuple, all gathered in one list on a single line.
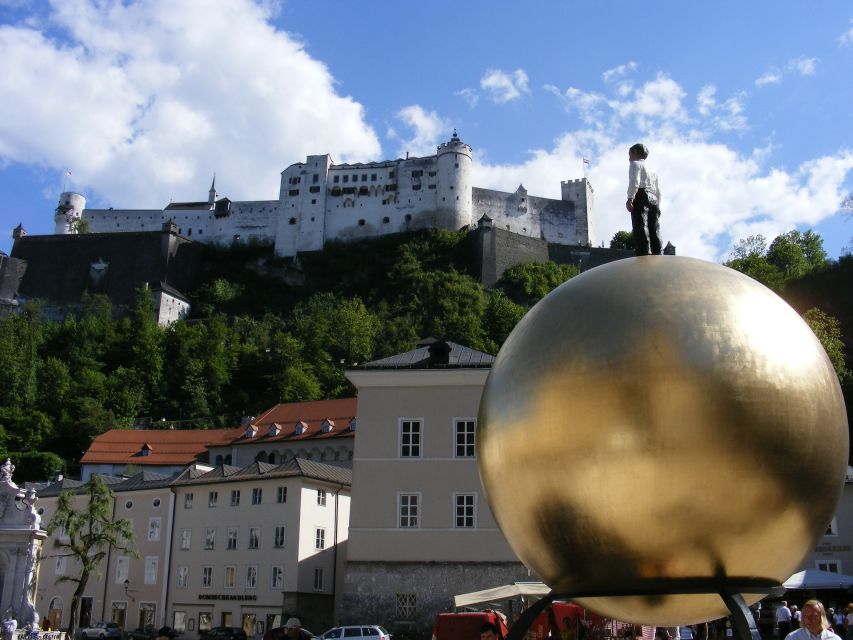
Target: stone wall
[(371, 591)]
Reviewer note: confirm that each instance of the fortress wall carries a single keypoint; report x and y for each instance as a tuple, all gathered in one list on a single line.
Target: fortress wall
[(123, 220)]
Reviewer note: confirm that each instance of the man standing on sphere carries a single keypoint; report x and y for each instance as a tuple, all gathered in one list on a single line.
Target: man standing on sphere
[(815, 625), (643, 202)]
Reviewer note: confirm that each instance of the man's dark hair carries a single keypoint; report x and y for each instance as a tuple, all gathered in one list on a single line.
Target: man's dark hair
[(489, 627), (640, 149)]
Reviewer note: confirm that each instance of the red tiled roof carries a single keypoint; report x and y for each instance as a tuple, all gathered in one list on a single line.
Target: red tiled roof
[(339, 412), (167, 447)]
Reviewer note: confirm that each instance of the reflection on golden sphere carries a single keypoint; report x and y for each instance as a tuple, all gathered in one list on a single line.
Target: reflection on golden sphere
[(656, 418)]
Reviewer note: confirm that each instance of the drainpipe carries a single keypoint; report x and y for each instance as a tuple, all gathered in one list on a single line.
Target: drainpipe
[(107, 579), (335, 558), (168, 559)]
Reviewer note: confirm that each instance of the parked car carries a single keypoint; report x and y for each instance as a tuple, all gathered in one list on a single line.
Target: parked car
[(356, 632), (279, 633), (150, 632), (223, 633), (101, 631)]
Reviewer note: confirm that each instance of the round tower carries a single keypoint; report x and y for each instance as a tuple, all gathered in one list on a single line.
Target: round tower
[(68, 212), (454, 204)]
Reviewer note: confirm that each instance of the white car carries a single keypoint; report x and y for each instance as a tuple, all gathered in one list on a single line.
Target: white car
[(356, 632), (100, 631)]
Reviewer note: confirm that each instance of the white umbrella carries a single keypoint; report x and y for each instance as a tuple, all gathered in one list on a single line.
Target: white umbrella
[(815, 579)]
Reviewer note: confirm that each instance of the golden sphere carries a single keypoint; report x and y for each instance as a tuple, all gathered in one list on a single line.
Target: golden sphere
[(661, 418)]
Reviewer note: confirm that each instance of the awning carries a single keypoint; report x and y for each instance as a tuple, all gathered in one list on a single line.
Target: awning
[(506, 592), (815, 579)]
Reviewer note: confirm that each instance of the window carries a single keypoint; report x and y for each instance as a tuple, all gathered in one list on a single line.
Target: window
[(235, 497), (319, 538), (314, 189), (122, 569), (281, 494), (321, 497), (364, 177), (231, 540), (154, 529), (318, 579), (156, 502), (465, 438), (278, 537), (251, 577), (410, 438), (832, 567), (179, 622), (188, 501), (254, 537), (186, 538), (346, 178), (277, 580), (128, 504), (212, 498), (316, 178), (61, 565), (409, 510), (293, 192), (230, 580), (391, 174), (417, 174), (416, 187), (151, 563), (209, 538), (257, 495), (183, 576), (337, 179), (406, 606), (386, 219), (832, 529), (465, 510), (206, 577), (373, 177)]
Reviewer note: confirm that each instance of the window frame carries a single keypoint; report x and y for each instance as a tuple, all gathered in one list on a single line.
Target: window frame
[(319, 538), (473, 506), (417, 517), (403, 422), (472, 436)]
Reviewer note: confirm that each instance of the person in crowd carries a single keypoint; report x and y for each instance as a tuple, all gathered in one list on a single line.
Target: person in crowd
[(783, 619), (796, 617), (815, 624)]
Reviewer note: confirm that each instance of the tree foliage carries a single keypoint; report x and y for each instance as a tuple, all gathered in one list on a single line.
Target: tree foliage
[(86, 534), (623, 240), (789, 256), (828, 331)]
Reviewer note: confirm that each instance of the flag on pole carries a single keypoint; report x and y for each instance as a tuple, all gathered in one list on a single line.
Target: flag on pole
[(585, 162), (68, 172)]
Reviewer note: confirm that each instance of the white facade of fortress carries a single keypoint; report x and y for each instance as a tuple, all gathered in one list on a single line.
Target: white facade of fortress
[(320, 201)]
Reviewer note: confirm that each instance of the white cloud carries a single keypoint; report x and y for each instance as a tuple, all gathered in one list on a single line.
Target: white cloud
[(427, 129), (501, 86), (846, 38), (146, 100), (803, 66), (469, 95), (617, 73), (770, 77), (713, 195)]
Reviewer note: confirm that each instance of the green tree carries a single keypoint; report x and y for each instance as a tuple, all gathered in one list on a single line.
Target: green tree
[(623, 240), (145, 343), (35, 466), (786, 254), (828, 331), (86, 535), (502, 314), (529, 282)]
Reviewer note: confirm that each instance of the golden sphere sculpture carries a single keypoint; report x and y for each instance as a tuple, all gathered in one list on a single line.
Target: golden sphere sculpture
[(661, 418)]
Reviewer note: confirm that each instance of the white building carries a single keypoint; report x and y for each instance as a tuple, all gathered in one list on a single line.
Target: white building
[(320, 201)]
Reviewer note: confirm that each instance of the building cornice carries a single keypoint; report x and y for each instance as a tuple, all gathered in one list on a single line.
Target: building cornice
[(366, 378)]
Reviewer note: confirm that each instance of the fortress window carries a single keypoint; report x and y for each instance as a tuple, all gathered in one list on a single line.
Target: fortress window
[(313, 202), (336, 191), (373, 177), (386, 219), (200, 231), (355, 178), (189, 232), (346, 178), (364, 177), (408, 217), (456, 165), (361, 222), (316, 178), (451, 187), (363, 191), (416, 187), (418, 173), (431, 186), (432, 174), (291, 221), (314, 189), (337, 179), (295, 192), (391, 174)]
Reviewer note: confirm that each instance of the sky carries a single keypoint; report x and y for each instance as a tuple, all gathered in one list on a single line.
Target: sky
[(746, 107)]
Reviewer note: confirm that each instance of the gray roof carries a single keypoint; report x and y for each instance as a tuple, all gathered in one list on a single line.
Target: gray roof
[(434, 354), (66, 484), (292, 468), (146, 480)]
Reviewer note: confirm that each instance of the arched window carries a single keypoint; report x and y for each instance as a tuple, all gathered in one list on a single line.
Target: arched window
[(261, 457), (228, 459), (272, 457), (219, 460)]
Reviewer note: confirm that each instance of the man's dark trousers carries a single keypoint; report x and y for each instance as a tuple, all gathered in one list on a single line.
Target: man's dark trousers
[(645, 237)]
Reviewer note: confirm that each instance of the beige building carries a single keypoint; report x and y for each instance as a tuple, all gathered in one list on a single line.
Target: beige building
[(421, 529), (146, 501), (834, 552), (256, 543)]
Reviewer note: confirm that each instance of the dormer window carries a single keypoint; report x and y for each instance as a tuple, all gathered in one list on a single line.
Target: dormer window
[(275, 429), (301, 428), (328, 426), (146, 449), (250, 432), (352, 424)]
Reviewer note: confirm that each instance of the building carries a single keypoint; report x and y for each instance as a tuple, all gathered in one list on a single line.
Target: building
[(323, 431), (321, 201), (123, 452), (421, 530), (834, 552), (255, 543)]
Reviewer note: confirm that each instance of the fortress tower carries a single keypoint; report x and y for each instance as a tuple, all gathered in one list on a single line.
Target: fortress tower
[(454, 197), (68, 212)]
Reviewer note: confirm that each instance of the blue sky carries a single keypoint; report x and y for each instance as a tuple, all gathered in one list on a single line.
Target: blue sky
[(746, 106)]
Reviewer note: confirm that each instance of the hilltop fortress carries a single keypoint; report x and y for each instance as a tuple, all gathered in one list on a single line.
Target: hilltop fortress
[(320, 201)]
